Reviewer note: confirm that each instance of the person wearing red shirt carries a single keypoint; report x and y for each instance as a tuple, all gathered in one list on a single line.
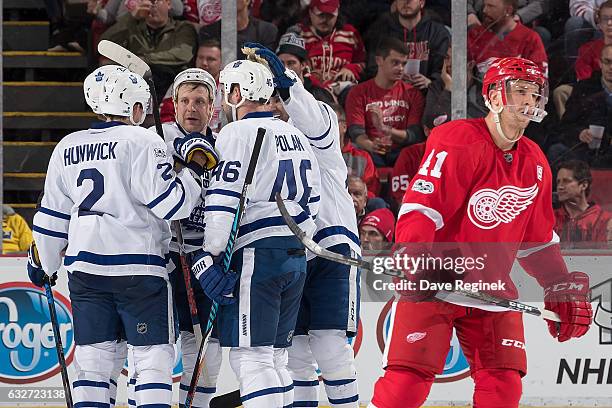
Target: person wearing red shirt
[(358, 162), (589, 53), (335, 50), (405, 169), (500, 35), (481, 182), (578, 222), (384, 114)]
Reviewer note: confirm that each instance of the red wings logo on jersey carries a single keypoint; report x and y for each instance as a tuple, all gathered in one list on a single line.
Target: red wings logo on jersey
[(488, 208)]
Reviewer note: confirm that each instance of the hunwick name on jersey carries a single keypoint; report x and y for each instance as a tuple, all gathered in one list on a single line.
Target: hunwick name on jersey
[(90, 151), (283, 144)]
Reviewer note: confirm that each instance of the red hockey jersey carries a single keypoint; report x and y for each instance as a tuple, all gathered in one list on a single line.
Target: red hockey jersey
[(485, 46), (473, 192), (343, 48)]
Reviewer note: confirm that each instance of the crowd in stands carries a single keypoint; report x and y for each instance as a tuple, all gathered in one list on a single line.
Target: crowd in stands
[(385, 66)]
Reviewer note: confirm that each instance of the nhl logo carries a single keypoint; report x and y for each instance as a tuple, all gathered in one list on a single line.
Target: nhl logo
[(141, 328)]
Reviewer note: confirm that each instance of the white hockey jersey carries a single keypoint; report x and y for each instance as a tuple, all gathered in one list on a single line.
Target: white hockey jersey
[(336, 222), (193, 226), (108, 193), (286, 164)]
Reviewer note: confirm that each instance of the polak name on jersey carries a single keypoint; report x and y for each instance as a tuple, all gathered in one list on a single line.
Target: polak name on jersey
[(286, 145), (88, 152)]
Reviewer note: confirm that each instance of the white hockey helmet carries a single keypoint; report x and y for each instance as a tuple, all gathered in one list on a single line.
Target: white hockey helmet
[(255, 80), (196, 76), (94, 83), (122, 90)]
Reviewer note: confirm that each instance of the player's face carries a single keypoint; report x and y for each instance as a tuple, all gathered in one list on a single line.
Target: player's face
[(209, 59), (292, 62), (493, 12), (359, 194), (193, 107), (322, 22), (370, 238), (409, 8), (522, 97), (277, 108), (392, 66), (568, 188)]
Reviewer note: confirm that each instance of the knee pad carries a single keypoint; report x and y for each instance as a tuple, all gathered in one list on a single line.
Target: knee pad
[(96, 359), (157, 360), (400, 387), (301, 363), (333, 354), (249, 360), (499, 388)]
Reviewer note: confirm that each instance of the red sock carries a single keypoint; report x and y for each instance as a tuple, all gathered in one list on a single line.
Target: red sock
[(402, 388), (497, 388)]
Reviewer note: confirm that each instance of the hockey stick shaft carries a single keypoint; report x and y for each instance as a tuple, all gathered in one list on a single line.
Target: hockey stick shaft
[(135, 64), (226, 260), (59, 348), (324, 253)]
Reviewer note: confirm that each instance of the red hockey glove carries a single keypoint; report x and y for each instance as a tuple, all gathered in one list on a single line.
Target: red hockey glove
[(570, 299)]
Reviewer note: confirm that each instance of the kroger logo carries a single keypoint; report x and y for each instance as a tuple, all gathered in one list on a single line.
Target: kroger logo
[(456, 366), (28, 347)]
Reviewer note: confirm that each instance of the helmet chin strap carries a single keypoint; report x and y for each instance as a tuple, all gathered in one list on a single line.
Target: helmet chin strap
[(233, 106), (497, 120)]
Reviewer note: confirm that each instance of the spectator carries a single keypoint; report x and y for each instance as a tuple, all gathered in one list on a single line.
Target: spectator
[(589, 53), (438, 100), (16, 234), (580, 26), (527, 12), (427, 40), (250, 29), (165, 44), (358, 162), (292, 51), (384, 113), (359, 193), (282, 13), (108, 11), (590, 103), (208, 58), (335, 50), (502, 36), (578, 222), (405, 169), (202, 12), (376, 229)]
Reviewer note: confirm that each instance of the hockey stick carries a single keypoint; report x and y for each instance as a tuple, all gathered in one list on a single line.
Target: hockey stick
[(131, 61), (442, 295), (59, 348), (227, 257)]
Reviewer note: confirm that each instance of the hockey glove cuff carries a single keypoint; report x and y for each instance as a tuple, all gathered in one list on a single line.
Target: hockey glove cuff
[(185, 148), (570, 299), (216, 284), (35, 272)]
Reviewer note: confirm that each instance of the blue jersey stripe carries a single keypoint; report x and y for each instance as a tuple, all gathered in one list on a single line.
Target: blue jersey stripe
[(89, 383), (110, 260), (163, 195), (51, 233), (154, 386), (54, 213), (265, 391), (314, 199), (335, 230), (328, 129), (224, 192), (269, 222), (180, 203), (324, 148), (222, 208)]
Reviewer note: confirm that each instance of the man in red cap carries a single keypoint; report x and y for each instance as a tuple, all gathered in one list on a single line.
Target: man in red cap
[(335, 50), (376, 228)]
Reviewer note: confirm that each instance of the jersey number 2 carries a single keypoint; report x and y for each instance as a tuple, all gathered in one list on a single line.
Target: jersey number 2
[(435, 172), (98, 187)]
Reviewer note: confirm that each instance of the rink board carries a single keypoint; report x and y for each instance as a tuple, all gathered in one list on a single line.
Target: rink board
[(577, 374)]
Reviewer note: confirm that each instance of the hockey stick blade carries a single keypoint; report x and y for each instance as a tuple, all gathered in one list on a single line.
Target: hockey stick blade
[(229, 400), (124, 57), (317, 249)]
